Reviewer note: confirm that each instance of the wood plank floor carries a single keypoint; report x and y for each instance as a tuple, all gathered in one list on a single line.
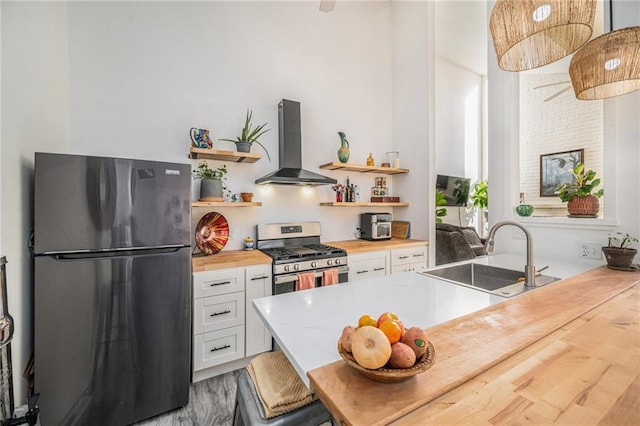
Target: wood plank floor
[(211, 402)]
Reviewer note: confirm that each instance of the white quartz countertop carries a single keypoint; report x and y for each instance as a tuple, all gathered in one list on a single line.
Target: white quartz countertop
[(307, 324)]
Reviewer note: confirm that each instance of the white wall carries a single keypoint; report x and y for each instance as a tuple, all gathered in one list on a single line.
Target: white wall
[(563, 123), (413, 112), (458, 113), (34, 117), (129, 79)]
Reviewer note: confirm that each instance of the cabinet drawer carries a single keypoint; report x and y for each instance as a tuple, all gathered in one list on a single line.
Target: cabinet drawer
[(218, 312), (212, 283), (369, 265), (408, 267), (409, 255), (218, 347)]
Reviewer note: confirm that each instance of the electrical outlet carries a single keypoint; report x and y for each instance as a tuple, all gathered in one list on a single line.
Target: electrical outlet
[(589, 250)]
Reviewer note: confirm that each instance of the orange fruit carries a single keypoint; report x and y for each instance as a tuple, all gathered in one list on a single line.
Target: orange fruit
[(392, 330), (389, 316), (367, 320)]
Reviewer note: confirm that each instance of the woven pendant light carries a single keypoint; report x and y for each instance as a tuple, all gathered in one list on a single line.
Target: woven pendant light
[(528, 34), (607, 66)]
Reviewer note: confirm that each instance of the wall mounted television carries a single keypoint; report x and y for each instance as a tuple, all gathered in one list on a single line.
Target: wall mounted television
[(455, 189)]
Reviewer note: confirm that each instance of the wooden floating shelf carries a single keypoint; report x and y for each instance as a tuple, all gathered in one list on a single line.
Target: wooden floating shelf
[(216, 154), (363, 204), (225, 204), (363, 169)]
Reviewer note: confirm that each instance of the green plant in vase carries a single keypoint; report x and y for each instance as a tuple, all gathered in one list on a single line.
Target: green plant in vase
[(480, 196), (581, 196), (619, 253), (213, 182), (249, 135)]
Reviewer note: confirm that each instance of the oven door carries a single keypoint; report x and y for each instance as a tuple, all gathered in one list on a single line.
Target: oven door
[(287, 283)]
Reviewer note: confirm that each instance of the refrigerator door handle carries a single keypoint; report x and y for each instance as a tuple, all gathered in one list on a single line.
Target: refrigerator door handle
[(117, 253)]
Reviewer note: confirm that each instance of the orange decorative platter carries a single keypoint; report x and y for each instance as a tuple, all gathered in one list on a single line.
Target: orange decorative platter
[(212, 233)]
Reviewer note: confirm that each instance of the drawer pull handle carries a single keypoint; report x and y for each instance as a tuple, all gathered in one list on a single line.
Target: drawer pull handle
[(220, 313), (403, 257), (259, 278), (379, 269), (220, 283), (362, 272), (220, 348), (418, 255)]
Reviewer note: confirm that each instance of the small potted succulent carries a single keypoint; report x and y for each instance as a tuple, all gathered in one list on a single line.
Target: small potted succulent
[(249, 135), (581, 196), (618, 252), (213, 184)]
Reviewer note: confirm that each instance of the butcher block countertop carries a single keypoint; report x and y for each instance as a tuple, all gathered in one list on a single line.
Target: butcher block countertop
[(229, 259), (240, 258), (363, 246), (567, 353)]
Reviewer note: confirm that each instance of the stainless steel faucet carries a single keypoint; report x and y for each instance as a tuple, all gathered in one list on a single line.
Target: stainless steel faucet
[(529, 268)]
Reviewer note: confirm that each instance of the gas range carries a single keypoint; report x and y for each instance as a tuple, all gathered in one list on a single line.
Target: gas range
[(295, 248), (305, 258)]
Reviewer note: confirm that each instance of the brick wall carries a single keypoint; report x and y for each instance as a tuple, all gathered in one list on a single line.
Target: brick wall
[(560, 124)]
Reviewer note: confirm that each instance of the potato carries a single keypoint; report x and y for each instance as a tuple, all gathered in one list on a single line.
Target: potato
[(347, 337)]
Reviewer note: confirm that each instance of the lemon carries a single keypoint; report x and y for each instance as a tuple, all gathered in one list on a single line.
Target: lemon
[(367, 320)]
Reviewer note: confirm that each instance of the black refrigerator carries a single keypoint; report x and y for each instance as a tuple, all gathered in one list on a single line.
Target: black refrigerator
[(112, 290)]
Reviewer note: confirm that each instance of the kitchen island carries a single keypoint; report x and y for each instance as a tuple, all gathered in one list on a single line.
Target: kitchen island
[(467, 346)]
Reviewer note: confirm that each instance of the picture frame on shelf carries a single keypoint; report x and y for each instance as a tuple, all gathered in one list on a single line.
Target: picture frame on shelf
[(556, 168)]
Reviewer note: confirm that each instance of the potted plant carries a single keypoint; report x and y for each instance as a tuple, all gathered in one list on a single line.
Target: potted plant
[(249, 136), (618, 252), (480, 196), (440, 201), (212, 182), (581, 196)]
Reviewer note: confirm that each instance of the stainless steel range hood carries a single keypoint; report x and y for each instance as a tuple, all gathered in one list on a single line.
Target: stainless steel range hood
[(290, 151)]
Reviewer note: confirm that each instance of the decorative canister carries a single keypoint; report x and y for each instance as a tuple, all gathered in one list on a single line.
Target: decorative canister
[(524, 209), (393, 158), (248, 243)]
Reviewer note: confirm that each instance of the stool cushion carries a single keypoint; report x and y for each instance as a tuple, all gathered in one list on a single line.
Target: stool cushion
[(278, 384), (250, 412)]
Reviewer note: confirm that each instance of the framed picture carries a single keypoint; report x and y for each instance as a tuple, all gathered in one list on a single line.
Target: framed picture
[(556, 169)]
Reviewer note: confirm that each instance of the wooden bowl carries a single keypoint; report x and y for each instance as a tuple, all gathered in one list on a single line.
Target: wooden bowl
[(391, 375)]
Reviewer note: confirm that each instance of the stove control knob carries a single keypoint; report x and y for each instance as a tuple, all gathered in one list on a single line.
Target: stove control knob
[(286, 268), (296, 267), (330, 262), (337, 261), (314, 264)]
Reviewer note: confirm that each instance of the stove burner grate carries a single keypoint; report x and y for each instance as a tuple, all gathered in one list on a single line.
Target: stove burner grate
[(309, 251)]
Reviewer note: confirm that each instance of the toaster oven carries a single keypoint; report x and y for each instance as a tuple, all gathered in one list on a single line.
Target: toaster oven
[(375, 226)]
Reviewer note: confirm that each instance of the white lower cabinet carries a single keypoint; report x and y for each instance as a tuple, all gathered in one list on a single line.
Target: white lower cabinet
[(226, 328), (218, 347), (408, 259), (258, 284), (367, 265), (217, 312), (385, 262)]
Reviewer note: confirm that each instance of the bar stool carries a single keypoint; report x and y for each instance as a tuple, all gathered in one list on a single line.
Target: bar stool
[(249, 410)]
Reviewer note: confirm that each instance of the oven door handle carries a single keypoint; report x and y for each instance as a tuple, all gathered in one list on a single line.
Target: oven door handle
[(281, 279)]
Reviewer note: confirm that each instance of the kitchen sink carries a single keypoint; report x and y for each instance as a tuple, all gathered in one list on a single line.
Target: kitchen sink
[(500, 281)]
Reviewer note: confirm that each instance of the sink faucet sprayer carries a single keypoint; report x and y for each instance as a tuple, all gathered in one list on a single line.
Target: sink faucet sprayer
[(529, 268)]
